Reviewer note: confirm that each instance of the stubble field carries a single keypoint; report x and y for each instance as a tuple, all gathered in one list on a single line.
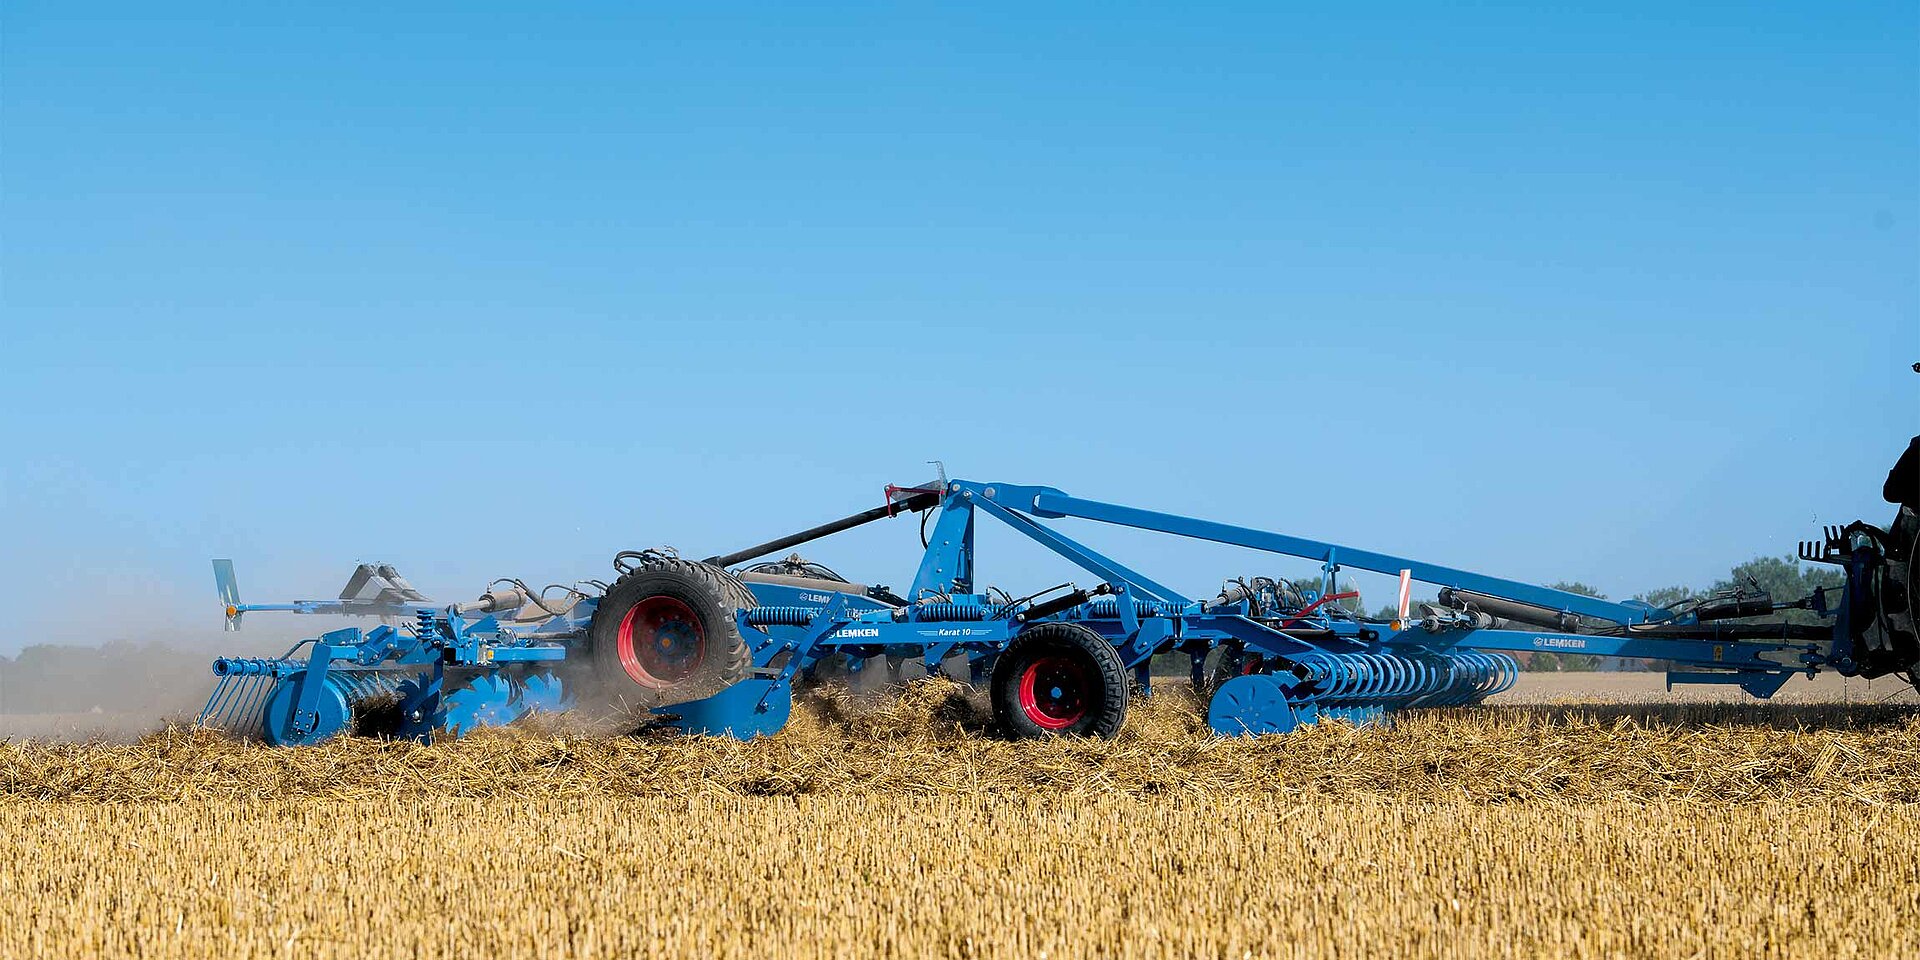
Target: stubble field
[(1535, 828)]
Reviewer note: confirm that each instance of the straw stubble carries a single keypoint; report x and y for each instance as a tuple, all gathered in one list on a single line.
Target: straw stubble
[(899, 831)]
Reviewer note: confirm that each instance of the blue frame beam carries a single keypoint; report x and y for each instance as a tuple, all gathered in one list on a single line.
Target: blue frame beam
[(1087, 559), (1052, 503)]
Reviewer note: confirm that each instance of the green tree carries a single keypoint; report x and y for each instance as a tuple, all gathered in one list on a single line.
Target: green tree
[(1577, 587), (1318, 585), (1568, 661), (1666, 596), (1785, 581), (117, 677)]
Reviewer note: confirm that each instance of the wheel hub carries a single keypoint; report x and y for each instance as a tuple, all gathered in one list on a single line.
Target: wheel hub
[(661, 642), (1055, 693)]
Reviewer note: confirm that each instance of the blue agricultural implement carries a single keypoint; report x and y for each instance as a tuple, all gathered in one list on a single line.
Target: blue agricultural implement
[(715, 647)]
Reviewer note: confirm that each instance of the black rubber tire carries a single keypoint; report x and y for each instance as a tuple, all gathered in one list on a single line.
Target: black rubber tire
[(711, 593), (1903, 573), (1098, 701)]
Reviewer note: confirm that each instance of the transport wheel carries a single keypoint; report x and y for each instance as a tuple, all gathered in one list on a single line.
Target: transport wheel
[(665, 633), (1059, 679)]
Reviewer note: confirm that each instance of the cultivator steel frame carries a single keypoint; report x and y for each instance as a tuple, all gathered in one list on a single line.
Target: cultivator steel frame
[(719, 652), (497, 667)]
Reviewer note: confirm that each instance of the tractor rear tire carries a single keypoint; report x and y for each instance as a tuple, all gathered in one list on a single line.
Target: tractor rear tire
[(667, 633), (1900, 599), (1059, 679)]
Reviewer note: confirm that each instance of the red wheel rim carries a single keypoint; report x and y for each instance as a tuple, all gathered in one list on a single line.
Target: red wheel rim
[(661, 642), (1054, 692)]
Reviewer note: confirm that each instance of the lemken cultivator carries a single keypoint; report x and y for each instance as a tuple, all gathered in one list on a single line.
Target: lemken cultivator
[(715, 648)]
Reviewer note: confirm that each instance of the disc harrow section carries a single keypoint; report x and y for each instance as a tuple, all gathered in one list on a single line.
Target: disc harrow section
[(544, 693), (486, 701)]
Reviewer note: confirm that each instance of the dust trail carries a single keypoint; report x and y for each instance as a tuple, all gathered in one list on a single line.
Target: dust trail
[(118, 690)]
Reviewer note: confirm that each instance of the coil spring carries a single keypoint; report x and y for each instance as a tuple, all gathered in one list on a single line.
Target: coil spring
[(1391, 679), (781, 616), (951, 611), (1110, 607), (801, 616)]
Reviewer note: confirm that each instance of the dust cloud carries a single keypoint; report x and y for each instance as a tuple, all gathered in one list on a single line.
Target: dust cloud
[(126, 687)]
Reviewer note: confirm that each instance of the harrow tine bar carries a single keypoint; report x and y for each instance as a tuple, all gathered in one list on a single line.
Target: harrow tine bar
[(221, 690), (240, 697)]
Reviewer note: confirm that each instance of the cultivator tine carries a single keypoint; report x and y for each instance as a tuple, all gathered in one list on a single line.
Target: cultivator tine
[(236, 704), (240, 697), (217, 702), (249, 716)]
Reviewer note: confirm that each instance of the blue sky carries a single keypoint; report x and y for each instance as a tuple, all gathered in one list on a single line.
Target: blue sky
[(1624, 296)]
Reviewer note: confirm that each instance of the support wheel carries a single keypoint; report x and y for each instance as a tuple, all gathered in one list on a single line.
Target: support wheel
[(1251, 705), (1059, 679), (666, 633)]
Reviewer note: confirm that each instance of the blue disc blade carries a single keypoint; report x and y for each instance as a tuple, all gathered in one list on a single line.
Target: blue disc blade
[(485, 701), (424, 716), (544, 693)]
